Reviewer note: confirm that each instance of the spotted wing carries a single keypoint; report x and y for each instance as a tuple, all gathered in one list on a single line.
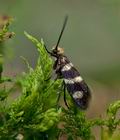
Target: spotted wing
[(76, 86)]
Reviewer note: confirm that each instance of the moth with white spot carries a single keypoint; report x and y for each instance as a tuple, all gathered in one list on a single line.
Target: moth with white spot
[(72, 81)]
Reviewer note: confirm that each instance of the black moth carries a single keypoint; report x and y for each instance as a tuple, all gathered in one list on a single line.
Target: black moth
[(72, 81)]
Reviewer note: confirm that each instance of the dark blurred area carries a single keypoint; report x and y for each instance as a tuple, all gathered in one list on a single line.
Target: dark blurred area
[(91, 41)]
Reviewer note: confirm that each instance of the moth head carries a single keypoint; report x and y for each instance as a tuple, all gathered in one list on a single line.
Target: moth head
[(58, 51)]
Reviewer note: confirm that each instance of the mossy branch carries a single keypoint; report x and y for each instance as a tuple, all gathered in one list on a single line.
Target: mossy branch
[(35, 115)]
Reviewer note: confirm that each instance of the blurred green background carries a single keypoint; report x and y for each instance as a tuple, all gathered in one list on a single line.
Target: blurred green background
[(91, 40)]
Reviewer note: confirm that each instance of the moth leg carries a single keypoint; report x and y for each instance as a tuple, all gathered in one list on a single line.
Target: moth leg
[(59, 94), (52, 74), (52, 83), (63, 88), (49, 51), (56, 70), (65, 96)]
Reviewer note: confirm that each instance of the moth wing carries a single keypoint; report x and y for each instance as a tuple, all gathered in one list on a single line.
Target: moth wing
[(76, 86)]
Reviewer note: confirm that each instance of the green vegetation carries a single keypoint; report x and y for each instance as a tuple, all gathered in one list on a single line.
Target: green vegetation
[(35, 115)]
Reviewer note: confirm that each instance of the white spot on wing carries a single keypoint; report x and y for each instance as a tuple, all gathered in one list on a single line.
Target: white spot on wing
[(67, 67), (71, 64), (69, 81), (78, 79), (77, 95)]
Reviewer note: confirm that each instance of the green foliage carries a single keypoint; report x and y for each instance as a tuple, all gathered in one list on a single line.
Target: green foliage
[(35, 115), (76, 125), (113, 121), (5, 21), (32, 111)]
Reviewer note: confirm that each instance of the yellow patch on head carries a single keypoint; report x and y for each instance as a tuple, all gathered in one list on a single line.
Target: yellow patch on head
[(59, 50)]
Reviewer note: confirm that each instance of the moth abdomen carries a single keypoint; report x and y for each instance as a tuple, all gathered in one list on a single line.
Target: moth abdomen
[(79, 91), (75, 85)]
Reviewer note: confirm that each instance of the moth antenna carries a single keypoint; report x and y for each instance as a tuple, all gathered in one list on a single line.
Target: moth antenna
[(61, 33)]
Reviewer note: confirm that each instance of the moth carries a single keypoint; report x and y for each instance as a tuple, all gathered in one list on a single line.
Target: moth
[(72, 80)]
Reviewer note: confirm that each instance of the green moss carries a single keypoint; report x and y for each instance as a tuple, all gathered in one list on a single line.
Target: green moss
[(35, 115)]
